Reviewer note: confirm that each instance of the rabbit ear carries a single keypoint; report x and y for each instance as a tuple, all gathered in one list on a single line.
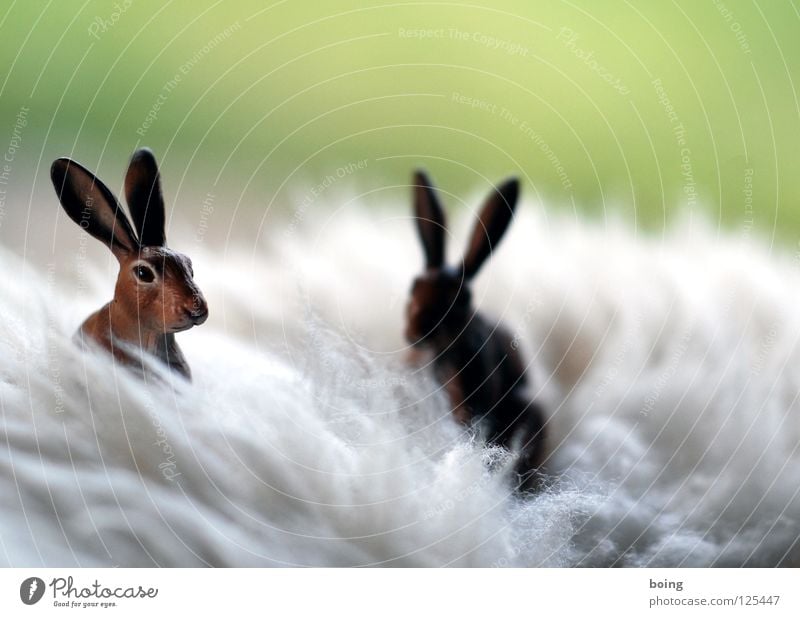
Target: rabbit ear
[(143, 194), (491, 225), (430, 220), (93, 206)]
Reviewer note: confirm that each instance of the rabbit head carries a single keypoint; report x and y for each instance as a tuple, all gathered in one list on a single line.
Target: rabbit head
[(155, 285), (441, 301)]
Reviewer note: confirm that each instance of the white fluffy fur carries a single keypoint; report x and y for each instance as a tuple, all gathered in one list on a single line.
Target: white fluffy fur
[(669, 369)]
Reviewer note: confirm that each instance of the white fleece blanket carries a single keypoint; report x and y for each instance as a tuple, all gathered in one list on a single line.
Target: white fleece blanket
[(669, 368)]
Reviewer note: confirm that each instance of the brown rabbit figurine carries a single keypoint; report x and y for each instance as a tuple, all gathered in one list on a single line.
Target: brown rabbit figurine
[(155, 295), (474, 359)]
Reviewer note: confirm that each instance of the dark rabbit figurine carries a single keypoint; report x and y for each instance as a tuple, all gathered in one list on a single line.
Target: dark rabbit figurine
[(474, 359), (155, 294)]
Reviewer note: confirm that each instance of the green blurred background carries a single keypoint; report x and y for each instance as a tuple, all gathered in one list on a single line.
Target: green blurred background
[(258, 103)]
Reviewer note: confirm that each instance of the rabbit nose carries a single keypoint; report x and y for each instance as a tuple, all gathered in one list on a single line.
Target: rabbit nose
[(200, 317), (199, 311)]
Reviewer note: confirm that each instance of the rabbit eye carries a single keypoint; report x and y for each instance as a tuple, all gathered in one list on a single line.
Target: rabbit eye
[(144, 274)]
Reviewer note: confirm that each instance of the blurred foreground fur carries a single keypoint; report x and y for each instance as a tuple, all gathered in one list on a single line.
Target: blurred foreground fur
[(670, 372)]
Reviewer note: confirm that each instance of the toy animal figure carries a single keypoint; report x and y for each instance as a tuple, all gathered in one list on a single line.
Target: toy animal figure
[(475, 360), (155, 294)]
